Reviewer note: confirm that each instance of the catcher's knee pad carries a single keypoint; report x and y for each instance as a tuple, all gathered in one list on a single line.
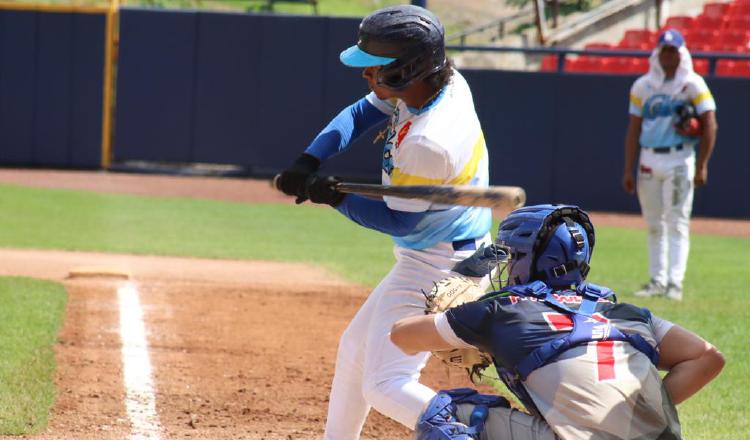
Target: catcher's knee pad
[(439, 422)]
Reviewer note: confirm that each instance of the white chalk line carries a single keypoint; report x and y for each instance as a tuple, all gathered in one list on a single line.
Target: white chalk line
[(140, 399)]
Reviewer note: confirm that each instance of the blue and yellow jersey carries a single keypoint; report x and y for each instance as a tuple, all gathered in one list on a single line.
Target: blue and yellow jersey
[(657, 104), (440, 144)]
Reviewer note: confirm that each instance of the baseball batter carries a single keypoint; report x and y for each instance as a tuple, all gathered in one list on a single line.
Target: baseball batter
[(584, 366), (433, 137), (668, 170)]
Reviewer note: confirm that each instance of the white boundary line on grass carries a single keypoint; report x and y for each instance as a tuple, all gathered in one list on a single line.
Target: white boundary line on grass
[(140, 400)]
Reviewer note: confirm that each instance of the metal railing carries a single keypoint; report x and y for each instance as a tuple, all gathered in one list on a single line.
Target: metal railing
[(561, 53), (498, 24)]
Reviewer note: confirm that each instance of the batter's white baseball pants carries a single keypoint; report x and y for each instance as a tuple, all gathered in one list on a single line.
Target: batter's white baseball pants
[(370, 370), (665, 192)]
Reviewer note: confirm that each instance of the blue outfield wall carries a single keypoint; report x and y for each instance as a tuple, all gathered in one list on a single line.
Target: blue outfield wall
[(51, 89), (253, 90)]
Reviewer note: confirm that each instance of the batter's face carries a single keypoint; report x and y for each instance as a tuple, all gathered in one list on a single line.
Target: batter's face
[(669, 58), (371, 75)]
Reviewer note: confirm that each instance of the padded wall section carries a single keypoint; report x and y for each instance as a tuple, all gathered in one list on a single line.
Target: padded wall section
[(18, 47), (725, 193), (155, 85), (590, 124), (227, 86), (519, 144), (342, 86), (51, 67)]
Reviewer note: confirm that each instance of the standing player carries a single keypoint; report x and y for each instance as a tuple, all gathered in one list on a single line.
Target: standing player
[(434, 137), (668, 169), (583, 365)]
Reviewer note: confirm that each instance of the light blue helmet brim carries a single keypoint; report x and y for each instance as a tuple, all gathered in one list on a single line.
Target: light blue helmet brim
[(356, 57)]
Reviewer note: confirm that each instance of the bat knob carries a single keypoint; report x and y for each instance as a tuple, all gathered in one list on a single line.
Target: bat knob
[(275, 182)]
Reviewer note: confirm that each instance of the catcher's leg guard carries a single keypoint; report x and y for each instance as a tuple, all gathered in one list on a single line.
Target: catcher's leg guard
[(439, 422)]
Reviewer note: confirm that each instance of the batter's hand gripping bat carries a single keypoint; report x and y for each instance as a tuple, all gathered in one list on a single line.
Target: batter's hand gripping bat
[(509, 197)]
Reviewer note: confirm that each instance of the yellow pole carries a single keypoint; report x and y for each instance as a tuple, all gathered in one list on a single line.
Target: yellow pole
[(109, 60)]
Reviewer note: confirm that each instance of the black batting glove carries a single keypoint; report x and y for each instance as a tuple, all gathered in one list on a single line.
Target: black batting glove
[(322, 189), (292, 180)]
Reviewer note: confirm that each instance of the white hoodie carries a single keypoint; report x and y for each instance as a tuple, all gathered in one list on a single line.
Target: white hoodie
[(654, 99)]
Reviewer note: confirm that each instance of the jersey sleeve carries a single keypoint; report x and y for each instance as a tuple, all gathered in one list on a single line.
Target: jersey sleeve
[(347, 126), (446, 332), (700, 96), (661, 327), (420, 162), (472, 323), (636, 99)]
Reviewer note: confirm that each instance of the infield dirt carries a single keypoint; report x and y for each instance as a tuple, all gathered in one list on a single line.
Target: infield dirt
[(240, 349)]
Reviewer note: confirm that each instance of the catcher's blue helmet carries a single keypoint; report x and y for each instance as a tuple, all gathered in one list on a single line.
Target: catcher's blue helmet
[(407, 40), (550, 243)]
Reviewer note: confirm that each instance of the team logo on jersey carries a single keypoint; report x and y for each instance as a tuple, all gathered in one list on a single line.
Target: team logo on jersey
[(402, 133), (388, 147), (658, 106)]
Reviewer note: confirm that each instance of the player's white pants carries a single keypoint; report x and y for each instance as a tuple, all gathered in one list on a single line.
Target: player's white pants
[(370, 370), (665, 192), (508, 423)]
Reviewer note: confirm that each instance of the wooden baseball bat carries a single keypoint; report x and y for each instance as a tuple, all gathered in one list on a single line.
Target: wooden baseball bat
[(510, 197)]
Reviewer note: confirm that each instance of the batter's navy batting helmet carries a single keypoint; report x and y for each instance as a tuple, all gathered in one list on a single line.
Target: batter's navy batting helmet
[(550, 243), (408, 41)]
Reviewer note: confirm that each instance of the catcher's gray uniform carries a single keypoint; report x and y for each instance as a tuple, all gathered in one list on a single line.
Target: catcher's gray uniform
[(508, 423), (581, 406)]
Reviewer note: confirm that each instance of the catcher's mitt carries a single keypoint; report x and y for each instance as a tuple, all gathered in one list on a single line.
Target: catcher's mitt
[(688, 122), (451, 292)]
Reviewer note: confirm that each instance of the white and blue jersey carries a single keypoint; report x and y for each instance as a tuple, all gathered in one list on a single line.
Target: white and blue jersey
[(657, 104), (440, 144)]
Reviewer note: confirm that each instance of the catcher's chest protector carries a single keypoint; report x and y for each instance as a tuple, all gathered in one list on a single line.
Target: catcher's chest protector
[(587, 323)]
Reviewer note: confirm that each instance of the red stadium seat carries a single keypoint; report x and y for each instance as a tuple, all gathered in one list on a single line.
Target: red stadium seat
[(639, 46), (701, 48), (640, 65), (597, 46), (680, 22), (739, 9), (706, 22), (583, 63), (549, 63), (715, 10), (739, 22), (700, 66), (702, 37), (734, 37), (733, 68), (636, 37), (724, 67)]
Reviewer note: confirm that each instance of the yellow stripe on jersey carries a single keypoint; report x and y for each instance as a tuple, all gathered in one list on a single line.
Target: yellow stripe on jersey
[(398, 177), (470, 169), (635, 100), (702, 97)]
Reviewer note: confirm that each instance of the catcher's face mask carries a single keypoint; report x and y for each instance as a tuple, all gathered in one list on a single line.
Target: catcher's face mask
[(500, 274)]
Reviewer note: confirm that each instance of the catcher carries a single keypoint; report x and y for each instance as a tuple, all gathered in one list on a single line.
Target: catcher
[(583, 365)]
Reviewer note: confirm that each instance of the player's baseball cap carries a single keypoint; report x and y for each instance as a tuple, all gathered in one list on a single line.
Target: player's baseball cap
[(356, 57), (671, 37)]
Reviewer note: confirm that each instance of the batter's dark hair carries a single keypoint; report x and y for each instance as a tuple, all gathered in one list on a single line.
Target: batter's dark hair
[(443, 76)]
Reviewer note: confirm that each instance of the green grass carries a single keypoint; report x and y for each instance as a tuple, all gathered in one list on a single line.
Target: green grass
[(715, 305), (30, 318)]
